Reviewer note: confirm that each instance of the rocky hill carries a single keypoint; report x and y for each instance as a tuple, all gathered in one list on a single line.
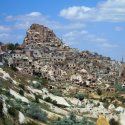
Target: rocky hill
[(51, 58), (45, 82)]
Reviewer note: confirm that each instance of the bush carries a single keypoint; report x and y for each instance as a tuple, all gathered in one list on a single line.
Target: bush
[(80, 97), (22, 86), (36, 85), (48, 99), (37, 98), (56, 92), (72, 120), (7, 121), (12, 111), (30, 123), (54, 102), (99, 91), (119, 88), (44, 81), (35, 112), (21, 92)]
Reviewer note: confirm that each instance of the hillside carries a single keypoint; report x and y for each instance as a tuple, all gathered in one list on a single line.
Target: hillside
[(46, 82), (45, 54)]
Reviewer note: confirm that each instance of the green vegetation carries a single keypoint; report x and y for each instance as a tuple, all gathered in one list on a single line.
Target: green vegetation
[(12, 46), (56, 92), (22, 86), (99, 91), (72, 120), (34, 111), (30, 123), (6, 121), (36, 85), (48, 99), (21, 92), (13, 112), (119, 88), (80, 96), (42, 81), (54, 102)]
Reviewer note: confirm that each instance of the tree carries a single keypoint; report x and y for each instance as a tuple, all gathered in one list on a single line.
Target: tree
[(12, 46)]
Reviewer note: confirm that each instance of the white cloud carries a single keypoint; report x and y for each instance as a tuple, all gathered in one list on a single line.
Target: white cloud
[(4, 28), (75, 12), (9, 37), (71, 26), (23, 17), (78, 37), (25, 20), (74, 32), (34, 14), (108, 45), (110, 11), (4, 37)]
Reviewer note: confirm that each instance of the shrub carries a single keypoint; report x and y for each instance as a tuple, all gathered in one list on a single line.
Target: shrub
[(30, 123), (48, 99), (99, 92), (21, 92), (106, 104), (12, 111), (22, 86), (7, 121), (119, 88), (72, 120), (36, 85), (36, 98), (44, 81), (35, 112), (54, 102), (80, 97), (56, 92)]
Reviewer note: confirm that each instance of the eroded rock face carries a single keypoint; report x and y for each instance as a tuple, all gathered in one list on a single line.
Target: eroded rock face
[(38, 33), (46, 55)]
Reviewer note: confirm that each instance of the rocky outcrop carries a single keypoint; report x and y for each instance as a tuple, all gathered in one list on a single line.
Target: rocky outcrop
[(45, 55), (39, 33)]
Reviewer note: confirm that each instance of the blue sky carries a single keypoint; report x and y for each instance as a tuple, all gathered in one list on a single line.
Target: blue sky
[(95, 25)]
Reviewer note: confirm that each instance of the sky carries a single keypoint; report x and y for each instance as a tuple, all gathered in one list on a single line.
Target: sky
[(94, 25)]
